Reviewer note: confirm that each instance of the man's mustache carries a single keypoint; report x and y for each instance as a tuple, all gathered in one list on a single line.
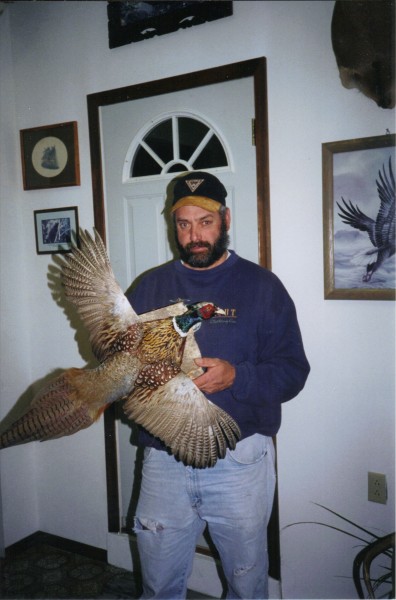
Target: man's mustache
[(193, 245)]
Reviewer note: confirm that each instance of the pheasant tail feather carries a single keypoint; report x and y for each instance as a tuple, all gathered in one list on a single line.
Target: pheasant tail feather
[(53, 413)]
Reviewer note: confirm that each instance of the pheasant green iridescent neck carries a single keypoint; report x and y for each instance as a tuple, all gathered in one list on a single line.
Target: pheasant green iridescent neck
[(195, 314), (184, 322)]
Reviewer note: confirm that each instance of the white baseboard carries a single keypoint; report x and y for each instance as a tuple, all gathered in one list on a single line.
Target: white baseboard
[(204, 577), (119, 551)]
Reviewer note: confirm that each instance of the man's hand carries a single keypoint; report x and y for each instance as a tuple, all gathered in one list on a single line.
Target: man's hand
[(219, 375)]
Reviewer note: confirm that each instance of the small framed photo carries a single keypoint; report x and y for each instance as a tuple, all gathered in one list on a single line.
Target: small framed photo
[(50, 156), (359, 218), (56, 229)]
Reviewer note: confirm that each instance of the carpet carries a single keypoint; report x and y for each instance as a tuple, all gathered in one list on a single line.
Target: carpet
[(42, 570)]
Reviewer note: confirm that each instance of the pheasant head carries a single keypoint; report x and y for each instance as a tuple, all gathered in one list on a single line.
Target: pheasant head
[(193, 317)]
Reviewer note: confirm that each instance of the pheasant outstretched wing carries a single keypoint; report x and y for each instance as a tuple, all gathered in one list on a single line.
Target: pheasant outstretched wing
[(90, 285), (197, 431)]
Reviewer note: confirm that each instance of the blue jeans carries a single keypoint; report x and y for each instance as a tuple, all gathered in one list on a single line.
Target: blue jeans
[(234, 498)]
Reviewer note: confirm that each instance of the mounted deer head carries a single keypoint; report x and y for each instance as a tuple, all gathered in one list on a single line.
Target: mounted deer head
[(363, 37)]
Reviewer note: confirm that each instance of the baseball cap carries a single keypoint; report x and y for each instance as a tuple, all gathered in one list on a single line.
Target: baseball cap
[(198, 188)]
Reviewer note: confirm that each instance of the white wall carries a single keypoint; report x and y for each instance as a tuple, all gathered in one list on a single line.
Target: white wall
[(342, 425)]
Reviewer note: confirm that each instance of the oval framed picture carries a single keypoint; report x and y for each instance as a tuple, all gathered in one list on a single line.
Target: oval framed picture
[(50, 156)]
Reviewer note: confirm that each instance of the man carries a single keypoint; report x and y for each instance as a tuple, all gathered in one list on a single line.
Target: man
[(253, 360)]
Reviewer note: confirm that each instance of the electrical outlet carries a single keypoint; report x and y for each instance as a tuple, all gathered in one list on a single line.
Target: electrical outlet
[(377, 490)]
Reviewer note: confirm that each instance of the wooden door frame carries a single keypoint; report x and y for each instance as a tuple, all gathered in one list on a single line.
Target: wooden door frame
[(257, 69)]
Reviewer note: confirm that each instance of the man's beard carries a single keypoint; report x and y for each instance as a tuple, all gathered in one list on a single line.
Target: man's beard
[(214, 252)]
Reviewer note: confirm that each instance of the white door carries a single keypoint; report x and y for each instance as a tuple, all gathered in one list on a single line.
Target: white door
[(137, 233), (136, 227)]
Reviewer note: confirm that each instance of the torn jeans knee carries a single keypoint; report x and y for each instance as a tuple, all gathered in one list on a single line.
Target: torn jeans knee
[(147, 525), (240, 571)]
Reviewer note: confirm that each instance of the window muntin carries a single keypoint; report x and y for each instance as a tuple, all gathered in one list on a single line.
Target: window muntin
[(175, 144)]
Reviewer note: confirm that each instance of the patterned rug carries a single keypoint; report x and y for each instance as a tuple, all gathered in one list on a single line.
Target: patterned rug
[(43, 571), (49, 572)]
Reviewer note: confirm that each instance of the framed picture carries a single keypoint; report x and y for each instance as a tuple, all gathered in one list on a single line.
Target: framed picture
[(56, 229), (135, 21), (359, 218), (50, 156)]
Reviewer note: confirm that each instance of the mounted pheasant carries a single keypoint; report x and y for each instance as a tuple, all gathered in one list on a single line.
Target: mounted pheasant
[(145, 361)]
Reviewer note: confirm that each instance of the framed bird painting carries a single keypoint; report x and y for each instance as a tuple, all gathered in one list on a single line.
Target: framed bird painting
[(359, 218)]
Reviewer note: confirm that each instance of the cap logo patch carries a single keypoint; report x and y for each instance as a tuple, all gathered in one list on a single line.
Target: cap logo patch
[(194, 184)]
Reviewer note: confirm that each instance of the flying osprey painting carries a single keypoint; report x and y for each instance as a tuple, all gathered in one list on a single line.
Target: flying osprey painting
[(365, 249)]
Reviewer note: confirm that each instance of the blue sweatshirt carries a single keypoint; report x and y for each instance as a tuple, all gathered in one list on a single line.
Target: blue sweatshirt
[(259, 335)]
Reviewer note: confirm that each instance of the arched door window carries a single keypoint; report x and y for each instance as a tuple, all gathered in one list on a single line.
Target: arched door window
[(174, 144)]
